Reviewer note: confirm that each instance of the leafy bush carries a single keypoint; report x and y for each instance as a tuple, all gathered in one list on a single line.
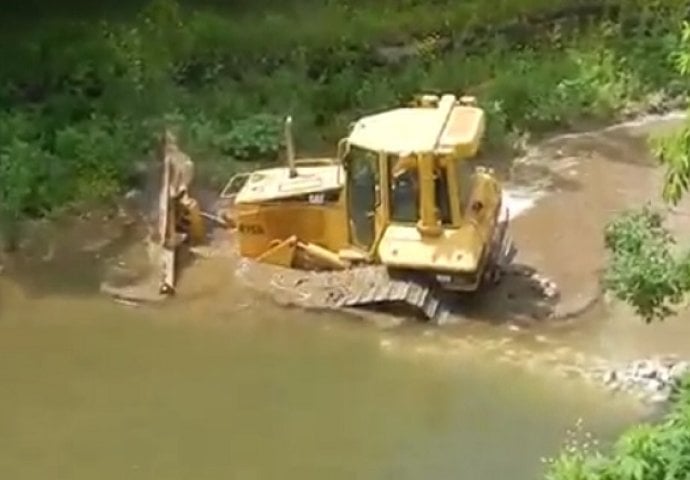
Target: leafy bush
[(643, 270), (644, 452), (253, 138)]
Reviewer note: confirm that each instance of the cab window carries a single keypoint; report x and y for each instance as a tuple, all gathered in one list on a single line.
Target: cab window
[(404, 189), (362, 178), (442, 196)]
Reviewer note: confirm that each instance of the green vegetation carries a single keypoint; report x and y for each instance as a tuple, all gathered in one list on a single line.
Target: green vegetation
[(645, 452), (649, 272), (647, 269), (644, 271), (84, 98)]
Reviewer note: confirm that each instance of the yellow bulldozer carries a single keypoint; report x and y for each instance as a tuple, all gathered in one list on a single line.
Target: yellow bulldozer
[(399, 215)]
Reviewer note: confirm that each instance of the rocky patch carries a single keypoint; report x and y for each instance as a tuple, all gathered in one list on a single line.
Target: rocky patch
[(540, 284), (653, 380)]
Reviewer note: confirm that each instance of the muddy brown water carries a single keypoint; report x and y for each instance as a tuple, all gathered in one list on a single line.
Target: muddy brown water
[(221, 383), (226, 387)]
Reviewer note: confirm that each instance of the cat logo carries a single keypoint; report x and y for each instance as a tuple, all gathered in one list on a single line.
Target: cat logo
[(250, 229)]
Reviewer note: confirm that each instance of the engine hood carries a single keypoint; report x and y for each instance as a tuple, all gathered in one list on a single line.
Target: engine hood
[(456, 250)]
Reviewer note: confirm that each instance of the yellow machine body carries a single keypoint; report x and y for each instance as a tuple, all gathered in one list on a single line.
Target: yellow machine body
[(398, 193), (272, 207)]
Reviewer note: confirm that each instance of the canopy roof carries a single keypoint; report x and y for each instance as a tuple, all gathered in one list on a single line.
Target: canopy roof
[(448, 127)]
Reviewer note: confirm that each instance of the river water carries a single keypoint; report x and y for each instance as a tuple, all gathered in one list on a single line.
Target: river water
[(220, 383), (211, 391)]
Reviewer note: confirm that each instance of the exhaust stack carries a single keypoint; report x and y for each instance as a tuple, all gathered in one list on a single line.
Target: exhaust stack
[(290, 146)]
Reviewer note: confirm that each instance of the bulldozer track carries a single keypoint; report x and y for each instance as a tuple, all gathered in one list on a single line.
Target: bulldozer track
[(376, 285), (364, 286)]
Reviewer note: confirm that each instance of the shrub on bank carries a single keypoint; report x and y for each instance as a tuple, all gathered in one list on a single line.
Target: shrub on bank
[(83, 100), (644, 270), (658, 451)]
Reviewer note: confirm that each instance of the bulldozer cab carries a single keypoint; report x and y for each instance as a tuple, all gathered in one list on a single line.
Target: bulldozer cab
[(403, 168), (375, 201)]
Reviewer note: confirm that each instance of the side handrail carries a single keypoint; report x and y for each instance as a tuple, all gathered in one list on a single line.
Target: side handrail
[(230, 190)]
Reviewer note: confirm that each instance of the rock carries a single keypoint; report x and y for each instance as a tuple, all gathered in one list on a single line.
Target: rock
[(643, 369), (544, 286), (637, 365), (650, 380), (648, 370), (654, 385), (664, 374), (678, 370), (550, 293), (610, 377)]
